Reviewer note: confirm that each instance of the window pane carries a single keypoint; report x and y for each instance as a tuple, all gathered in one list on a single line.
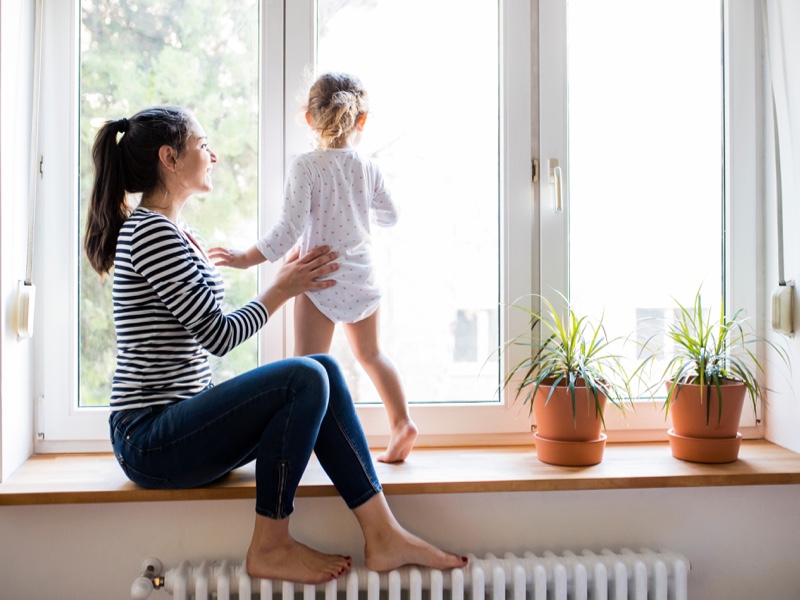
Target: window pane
[(203, 55), (433, 128), (645, 155)]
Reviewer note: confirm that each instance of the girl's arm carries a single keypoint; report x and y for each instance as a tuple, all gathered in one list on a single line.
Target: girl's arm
[(296, 212), (383, 210), (238, 259)]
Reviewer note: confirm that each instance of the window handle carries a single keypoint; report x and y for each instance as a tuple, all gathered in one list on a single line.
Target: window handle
[(557, 179)]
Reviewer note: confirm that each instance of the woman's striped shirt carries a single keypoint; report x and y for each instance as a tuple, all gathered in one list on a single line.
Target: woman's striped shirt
[(168, 315)]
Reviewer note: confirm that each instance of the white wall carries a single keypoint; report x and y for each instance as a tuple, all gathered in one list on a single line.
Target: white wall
[(16, 58), (741, 541)]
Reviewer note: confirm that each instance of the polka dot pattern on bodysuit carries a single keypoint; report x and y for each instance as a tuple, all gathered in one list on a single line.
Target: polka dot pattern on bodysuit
[(332, 197)]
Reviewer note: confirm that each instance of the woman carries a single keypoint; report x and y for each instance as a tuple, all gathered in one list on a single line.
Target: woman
[(170, 426)]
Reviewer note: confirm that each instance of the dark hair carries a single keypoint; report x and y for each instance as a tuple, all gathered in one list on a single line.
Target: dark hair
[(335, 102), (127, 166)]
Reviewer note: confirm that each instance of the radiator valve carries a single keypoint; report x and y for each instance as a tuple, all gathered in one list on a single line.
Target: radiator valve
[(149, 580)]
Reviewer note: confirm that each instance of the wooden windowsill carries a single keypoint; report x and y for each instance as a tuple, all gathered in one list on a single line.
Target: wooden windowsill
[(89, 478)]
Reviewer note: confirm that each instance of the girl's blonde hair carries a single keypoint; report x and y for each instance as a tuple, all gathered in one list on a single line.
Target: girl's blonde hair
[(335, 102)]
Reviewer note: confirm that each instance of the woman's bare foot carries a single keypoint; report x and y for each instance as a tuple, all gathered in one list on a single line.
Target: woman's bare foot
[(404, 548), (387, 545), (400, 444), (296, 562), (274, 554)]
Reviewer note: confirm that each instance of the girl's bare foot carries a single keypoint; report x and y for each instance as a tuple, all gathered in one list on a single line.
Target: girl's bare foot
[(274, 554), (400, 444)]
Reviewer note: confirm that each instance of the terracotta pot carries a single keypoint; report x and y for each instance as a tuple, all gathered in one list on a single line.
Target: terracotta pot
[(554, 418), (570, 454), (563, 438), (705, 450), (695, 411), (699, 433)]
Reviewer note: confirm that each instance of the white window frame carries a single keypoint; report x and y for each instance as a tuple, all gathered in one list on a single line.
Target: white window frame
[(743, 196), (62, 426), (59, 424)]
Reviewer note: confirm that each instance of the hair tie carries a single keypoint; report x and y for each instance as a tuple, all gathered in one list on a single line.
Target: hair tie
[(123, 125)]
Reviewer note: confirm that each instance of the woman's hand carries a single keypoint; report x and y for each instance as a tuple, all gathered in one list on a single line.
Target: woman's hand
[(300, 274)]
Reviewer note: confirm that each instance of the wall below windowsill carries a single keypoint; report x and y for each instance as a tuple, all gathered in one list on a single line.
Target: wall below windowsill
[(91, 478)]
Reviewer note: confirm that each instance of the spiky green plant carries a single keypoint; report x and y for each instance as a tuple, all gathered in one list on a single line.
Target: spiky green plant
[(712, 352), (569, 350)]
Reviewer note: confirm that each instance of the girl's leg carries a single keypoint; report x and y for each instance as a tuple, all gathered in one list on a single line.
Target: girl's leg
[(313, 331), (273, 414), (363, 338), (343, 453)]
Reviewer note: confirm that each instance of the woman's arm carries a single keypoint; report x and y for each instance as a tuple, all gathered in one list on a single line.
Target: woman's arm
[(160, 254), (300, 274)]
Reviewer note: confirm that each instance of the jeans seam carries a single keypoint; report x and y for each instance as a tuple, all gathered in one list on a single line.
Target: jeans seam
[(374, 485), (283, 462), (283, 469)]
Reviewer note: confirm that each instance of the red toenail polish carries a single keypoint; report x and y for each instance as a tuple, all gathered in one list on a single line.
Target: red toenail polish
[(464, 559)]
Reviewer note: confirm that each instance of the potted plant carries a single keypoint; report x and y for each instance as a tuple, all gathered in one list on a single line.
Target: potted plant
[(708, 375), (567, 378)]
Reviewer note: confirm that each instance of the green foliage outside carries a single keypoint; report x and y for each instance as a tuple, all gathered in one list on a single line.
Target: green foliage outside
[(201, 54)]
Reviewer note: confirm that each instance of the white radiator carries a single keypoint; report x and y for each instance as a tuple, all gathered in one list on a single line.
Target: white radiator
[(624, 575)]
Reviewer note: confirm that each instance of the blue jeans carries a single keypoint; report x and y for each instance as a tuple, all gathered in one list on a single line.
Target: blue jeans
[(276, 414)]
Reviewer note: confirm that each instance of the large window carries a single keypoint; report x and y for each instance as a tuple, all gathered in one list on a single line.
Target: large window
[(640, 123)]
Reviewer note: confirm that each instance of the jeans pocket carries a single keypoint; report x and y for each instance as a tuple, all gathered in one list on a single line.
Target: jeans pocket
[(125, 426)]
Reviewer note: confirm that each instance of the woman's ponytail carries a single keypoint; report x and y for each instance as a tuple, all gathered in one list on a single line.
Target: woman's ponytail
[(108, 207)]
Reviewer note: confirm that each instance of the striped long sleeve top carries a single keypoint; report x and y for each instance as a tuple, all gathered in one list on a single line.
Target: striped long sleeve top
[(167, 314)]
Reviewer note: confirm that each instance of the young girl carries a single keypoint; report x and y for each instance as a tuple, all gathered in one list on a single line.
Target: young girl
[(331, 195)]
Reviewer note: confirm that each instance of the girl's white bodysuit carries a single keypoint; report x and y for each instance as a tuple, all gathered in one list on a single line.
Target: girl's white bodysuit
[(330, 198)]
